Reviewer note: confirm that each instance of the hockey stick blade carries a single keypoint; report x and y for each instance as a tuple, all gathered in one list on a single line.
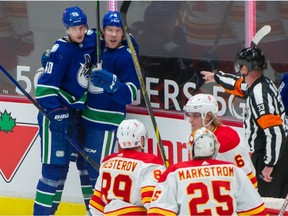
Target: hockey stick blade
[(123, 10), (34, 102), (260, 34)]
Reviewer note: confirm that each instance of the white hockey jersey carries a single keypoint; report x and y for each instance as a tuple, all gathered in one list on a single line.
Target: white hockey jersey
[(126, 183), (205, 187), (234, 150)]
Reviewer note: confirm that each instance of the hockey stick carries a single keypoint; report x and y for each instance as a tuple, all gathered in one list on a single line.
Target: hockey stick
[(98, 53), (123, 10), (34, 102), (260, 34)]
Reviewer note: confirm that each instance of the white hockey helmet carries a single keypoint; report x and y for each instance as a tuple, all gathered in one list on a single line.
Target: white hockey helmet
[(202, 103), (130, 132), (205, 144)]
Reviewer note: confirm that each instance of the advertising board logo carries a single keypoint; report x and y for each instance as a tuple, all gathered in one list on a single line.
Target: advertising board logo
[(16, 141)]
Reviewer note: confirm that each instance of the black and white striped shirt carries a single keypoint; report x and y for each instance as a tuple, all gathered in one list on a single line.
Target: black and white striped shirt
[(264, 116)]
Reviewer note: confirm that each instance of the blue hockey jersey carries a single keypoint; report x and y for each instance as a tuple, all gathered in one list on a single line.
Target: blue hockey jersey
[(283, 89), (105, 111), (65, 80)]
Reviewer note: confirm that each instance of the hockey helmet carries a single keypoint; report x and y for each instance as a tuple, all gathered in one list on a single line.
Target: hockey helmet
[(74, 16), (112, 18), (201, 103), (205, 144), (130, 132), (252, 57)]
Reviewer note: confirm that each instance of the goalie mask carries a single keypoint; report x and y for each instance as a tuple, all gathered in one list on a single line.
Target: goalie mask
[(130, 132), (203, 144), (203, 104), (252, 57), (74, 16)]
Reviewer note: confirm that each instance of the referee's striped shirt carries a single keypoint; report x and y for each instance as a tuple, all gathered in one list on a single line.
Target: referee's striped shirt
[(264, 116)]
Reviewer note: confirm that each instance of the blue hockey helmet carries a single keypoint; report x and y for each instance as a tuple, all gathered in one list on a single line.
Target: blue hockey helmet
[(74, 16), (112, 18)]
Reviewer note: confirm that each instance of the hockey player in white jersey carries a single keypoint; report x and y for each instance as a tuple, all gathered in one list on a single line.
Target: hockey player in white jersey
[(204, 185), (201, 111), (127, 179)]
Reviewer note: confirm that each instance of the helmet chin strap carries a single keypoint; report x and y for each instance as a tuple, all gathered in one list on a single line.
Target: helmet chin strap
[(203, 121)]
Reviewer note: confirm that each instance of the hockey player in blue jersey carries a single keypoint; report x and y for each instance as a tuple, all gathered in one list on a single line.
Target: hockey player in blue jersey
[(111, 89), (62, 91)]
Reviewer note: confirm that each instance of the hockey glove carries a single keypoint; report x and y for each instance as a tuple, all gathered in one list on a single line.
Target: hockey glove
[(45, 57), (59, 120), (105, 79)]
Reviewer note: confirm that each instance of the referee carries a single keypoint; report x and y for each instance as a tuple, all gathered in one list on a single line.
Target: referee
[(264, 119)]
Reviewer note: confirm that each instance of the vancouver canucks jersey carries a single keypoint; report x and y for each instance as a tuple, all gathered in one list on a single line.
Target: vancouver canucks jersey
[(103, 110), (65, 80)]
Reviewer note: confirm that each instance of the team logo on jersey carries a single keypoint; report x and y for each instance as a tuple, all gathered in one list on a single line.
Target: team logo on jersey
[(94, 89), (83, 72), (16, 141), (54, 48), (129, 50), (89, 32)]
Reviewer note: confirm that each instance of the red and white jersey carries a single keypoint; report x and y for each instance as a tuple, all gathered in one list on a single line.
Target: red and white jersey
[(205, 187), (126, 183), (234, 150)]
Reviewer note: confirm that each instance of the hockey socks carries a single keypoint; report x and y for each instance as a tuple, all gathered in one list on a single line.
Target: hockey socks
[(86, 187), (45, 193)]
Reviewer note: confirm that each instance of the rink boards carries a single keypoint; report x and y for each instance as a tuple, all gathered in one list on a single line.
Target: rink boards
[(20, 153)]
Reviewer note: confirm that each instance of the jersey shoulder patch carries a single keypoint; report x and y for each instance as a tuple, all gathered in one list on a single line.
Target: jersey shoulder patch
[(54, 48)]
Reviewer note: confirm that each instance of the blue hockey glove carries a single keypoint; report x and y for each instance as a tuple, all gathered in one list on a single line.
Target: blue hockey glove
[(59, 120), (105, 79), (45, 57)]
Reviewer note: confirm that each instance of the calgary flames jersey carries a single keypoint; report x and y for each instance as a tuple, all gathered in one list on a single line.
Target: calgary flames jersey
[(205, 187), (126, 183), (233, 149)]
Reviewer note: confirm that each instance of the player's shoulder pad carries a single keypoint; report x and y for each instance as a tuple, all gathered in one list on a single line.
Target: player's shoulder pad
[(227, 137)]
